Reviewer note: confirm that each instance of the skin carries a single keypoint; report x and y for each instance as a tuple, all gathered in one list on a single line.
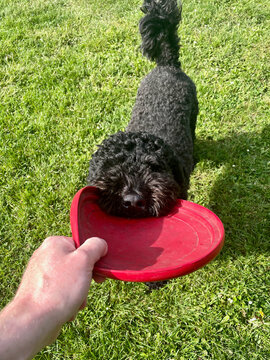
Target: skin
[(53, 289)]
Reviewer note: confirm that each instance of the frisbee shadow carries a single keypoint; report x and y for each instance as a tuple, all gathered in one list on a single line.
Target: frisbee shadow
[(131, 242), (239, 194)]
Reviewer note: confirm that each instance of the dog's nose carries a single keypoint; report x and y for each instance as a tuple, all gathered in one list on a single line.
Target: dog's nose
[(133, 201)]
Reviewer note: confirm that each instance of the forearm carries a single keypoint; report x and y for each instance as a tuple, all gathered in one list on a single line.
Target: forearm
[(25, 329)]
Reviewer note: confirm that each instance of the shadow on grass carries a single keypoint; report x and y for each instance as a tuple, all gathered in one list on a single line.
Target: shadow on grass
[(240, 195)]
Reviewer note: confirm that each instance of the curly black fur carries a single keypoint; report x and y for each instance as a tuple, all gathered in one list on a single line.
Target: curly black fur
[(142, 171), (136, 163), (158, 28)]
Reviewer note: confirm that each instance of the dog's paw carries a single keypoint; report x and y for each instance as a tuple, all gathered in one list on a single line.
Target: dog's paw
[(155, 285)]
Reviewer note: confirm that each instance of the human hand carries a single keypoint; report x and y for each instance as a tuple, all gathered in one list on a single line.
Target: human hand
[(58, 275), (53, 289)]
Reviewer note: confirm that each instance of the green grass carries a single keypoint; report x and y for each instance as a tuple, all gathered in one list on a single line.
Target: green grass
[(69, 72)]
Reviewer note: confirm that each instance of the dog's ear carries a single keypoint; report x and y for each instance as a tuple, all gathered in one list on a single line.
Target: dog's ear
[(182, 179), (179, 173)]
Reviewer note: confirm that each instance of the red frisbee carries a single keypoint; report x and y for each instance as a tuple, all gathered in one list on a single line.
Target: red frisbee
[(148, 249)]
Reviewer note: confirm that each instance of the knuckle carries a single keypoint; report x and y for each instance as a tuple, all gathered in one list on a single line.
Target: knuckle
[(48, 241), (84, 257)]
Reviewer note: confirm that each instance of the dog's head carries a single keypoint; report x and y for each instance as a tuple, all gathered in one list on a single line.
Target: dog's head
[(136, 191), (137, 176)]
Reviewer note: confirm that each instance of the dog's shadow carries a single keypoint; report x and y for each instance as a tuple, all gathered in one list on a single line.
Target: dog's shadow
[(240, 194)]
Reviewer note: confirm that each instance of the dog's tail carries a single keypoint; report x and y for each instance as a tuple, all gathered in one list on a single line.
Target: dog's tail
[(158, 28)]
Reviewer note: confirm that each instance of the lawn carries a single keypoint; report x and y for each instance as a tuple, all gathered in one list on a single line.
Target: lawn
[(69, 73)]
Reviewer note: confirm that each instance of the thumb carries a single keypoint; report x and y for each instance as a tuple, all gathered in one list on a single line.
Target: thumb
[(95, 248)]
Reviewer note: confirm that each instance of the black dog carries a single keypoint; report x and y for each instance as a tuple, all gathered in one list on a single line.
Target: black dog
[(142, 171)]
